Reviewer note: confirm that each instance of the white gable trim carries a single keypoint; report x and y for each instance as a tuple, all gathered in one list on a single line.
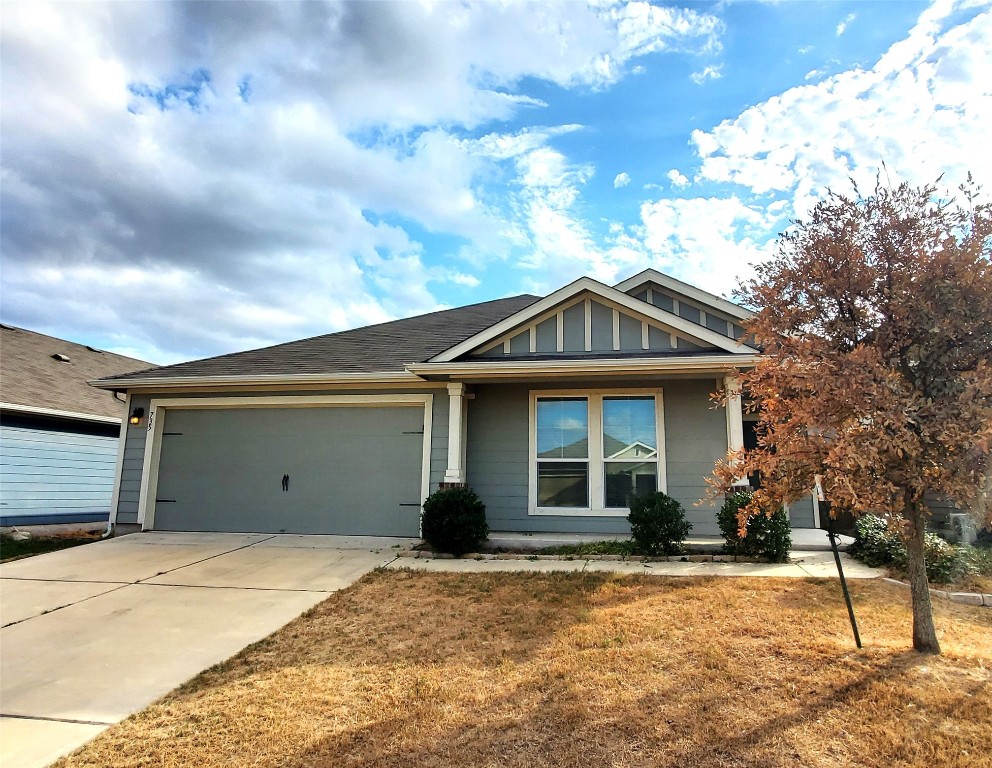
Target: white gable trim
[(503, 342), (549, 305), (704, 297)]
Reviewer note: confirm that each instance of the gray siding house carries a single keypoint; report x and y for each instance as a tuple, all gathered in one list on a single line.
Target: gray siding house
[(556, 410)]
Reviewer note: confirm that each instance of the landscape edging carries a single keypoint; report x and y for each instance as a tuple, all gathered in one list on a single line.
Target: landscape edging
[(965, 598)]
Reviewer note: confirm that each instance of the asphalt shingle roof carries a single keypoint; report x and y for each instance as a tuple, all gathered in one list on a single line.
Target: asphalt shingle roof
[(30, 376), (378, 348)]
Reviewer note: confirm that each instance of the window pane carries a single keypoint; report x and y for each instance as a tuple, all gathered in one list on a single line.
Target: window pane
[(563, 484), (562, 428), (626, 479), (628, 428)]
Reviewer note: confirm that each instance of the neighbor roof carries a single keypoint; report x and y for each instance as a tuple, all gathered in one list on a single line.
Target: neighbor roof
[(40, 373), (382, 348)]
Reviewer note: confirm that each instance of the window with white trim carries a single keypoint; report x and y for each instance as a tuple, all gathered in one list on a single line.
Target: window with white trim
[(593, 451)]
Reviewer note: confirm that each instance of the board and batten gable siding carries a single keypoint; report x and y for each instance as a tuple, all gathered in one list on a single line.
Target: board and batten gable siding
[(56, 471), (689, 309), (498, 456), (134, 450), (588, 327)]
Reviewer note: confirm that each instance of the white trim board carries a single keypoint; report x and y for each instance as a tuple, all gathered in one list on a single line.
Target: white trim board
[(666, 281), (595, 431), (550, 305), (158, 413), (55, 413)]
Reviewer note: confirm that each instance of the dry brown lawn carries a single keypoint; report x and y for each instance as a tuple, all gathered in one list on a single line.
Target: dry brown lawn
[(421, 669)]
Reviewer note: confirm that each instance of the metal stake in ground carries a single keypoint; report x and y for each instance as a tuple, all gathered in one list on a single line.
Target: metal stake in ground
[(843, 582), (831, 534)]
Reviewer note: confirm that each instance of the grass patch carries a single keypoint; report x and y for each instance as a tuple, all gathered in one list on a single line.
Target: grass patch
[(411, 668), (617, 548), (11, 549)]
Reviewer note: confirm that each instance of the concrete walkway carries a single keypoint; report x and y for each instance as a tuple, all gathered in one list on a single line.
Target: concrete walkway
[(94, 633), (802, 565)]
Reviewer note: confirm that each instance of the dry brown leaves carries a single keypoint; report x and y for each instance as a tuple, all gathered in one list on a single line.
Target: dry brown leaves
[(419, 669)]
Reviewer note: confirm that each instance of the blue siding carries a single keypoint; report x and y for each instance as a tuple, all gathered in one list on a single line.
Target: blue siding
[(52, 475)]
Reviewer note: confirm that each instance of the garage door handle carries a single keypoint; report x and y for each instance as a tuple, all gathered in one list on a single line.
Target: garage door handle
[(285, 482)]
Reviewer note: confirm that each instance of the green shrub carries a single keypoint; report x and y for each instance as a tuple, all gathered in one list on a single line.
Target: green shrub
[(876, 545), (769, 537), (454, 520), (658, 524)]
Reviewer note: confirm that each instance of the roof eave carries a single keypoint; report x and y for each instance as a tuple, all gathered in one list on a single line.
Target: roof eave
[(667, 281), (548, 368), (33, 410), (199, 382)]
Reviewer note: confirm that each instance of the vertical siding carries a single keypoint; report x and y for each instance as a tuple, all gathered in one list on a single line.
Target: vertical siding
[(602, 327)]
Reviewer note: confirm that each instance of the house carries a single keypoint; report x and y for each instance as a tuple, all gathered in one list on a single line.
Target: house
[(58, 435), (555, 410)]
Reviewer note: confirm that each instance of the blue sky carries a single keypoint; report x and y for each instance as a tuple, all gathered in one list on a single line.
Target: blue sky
[(183, 180)]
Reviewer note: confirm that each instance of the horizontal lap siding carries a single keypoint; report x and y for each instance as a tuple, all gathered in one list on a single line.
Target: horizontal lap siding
[(695, 438), (498, 456), (47, 474)]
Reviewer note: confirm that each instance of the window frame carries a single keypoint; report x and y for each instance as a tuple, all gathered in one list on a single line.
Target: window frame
[(597, 459)]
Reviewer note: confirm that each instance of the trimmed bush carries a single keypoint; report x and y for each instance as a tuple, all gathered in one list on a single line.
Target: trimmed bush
[(769, 537), (658, 524), (454, 520), (875, 544)]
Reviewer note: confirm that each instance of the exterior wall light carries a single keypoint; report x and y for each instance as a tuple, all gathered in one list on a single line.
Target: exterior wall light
[(136, 415)]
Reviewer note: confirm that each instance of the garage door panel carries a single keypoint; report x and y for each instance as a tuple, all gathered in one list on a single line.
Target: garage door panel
[(351, 470)]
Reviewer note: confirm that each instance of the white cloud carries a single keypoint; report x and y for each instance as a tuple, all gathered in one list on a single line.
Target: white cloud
[(267, 168), (621, 180), (842, 27), (709, 242), (677, 179), (707, 73), (922, 110)]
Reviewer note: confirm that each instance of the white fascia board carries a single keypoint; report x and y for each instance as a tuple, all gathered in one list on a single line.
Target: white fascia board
[(37, 411), (605, 292), (723, 364), (704, 297), (194, 382), (517, 318)]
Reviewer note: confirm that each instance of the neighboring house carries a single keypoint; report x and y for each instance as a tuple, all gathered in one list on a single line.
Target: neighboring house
[(58, 435), (555, 410)]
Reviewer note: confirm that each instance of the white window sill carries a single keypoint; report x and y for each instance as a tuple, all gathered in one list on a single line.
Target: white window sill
[(576, 512)]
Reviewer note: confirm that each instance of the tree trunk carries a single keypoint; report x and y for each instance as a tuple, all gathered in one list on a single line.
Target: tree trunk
[(924, 632)]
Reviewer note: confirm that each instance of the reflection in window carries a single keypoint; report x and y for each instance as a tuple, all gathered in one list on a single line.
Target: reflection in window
[(562, 437), (630, 449), (563, 484)]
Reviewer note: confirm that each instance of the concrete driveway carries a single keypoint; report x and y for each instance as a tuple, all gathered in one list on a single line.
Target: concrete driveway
[(92, 634)]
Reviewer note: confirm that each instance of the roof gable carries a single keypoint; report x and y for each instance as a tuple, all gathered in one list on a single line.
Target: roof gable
[(652, 278), (589, 292)]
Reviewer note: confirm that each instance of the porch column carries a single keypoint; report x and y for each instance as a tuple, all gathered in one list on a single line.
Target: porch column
[(735, 420), (455, 473)]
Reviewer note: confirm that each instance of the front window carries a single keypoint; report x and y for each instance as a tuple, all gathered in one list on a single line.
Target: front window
[(591, 453), (562, 452), (630, 449)]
